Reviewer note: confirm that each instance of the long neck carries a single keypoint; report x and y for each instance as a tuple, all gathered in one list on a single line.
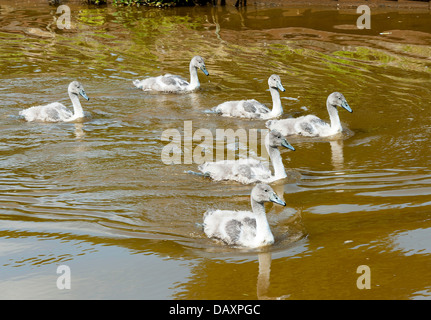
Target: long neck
[(258, 208), (194, 80), (333, 116), (263, 231), (77, 108), (277, 162), (277, 109)]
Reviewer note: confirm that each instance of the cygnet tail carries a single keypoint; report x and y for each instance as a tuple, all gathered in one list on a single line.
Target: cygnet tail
[(205, 175), (137, 84), (212, 111), (200, 225), (269, 124)]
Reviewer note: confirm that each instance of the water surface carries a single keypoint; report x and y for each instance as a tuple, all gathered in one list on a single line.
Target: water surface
[(96, 196)]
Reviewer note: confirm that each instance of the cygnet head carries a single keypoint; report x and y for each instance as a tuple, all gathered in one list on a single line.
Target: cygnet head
[(199, 63), (337, 99), (263, 193), (276, 139), (275, 82), (77, 88)]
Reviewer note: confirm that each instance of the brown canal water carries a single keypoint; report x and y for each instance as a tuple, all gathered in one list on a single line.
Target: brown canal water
[(96, 196)]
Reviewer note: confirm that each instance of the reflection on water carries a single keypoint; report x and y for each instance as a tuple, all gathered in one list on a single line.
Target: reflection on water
[(97, 197), (337, 154), (263, 278)]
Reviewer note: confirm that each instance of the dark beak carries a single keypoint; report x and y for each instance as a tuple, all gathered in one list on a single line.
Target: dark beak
[(274, 198), (204, 70), (82, 93), (346, 106), (287, 145), (280, 86)]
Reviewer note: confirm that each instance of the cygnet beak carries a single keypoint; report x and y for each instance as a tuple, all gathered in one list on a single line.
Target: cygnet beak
[(280, 86), (346, 106), (287, 145), (204, 70), (82, 93), (274, 198)]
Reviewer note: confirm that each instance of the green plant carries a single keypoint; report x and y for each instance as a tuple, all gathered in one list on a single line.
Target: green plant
[(96, 2), (160, 3)]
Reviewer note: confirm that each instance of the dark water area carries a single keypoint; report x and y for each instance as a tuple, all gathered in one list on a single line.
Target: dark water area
[(97, 197)]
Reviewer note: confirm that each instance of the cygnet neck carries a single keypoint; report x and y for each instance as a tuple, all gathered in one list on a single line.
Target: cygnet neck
[(257, 207), (334, 117), (277, 108), (194, 80), (276, 160), (77, 108)]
